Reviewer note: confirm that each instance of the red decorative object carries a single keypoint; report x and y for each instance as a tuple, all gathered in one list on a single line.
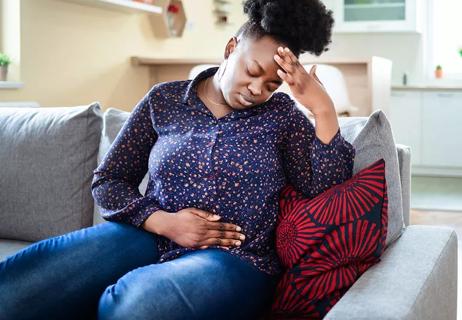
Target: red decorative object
[(328, 241), (173, 8)]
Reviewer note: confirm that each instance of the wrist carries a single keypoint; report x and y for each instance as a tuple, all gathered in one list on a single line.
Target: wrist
[(326, 112), (156, 222)]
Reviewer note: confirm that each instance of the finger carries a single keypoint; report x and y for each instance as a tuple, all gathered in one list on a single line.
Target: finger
[(292, 59), (313, 69), (225, 234), (284, 64), (291, 56), (317, 79), (205, 214), (222, 242), (284, 55), (222, 226), (224, 247), (313, 73), (285, 76), (284, 61)]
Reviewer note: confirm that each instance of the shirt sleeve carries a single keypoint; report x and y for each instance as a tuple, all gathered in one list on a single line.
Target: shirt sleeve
[(116, 179), (310, 165)]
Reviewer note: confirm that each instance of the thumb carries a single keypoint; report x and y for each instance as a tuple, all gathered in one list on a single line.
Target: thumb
[(313, 69)]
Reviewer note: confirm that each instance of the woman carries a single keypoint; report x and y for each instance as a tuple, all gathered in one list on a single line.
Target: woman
[(219, 148)]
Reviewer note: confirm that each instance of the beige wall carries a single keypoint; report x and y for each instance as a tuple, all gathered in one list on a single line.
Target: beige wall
[(73, 54)]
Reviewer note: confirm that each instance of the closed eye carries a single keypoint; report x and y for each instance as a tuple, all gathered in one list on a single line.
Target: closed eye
[(268, 88)]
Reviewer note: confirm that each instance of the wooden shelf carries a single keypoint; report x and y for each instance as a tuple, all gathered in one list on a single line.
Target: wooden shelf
[(128, 6), (166, 23)]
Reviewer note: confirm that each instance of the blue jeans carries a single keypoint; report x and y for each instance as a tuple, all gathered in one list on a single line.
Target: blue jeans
[(110, 271)]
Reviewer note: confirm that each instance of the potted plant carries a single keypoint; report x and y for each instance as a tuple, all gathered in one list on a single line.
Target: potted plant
[(4, 62), (439, 71)]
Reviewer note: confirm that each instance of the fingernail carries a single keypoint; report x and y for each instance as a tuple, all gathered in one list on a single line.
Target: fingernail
[(238, 229), (238, 243), (242, 237), (216, 216)]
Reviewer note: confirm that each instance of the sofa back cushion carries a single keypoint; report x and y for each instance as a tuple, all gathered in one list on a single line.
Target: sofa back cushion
[(373, 139), (47, 156)]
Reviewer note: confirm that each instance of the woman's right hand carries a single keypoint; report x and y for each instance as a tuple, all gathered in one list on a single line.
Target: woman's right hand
[(197, 228)]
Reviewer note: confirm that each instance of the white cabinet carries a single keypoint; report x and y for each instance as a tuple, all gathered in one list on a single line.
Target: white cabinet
[(429, 121), (377, 15), (405, 118), (442, 134)]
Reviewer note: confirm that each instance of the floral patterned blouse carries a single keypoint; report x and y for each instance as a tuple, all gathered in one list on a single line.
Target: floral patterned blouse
[(234, 166)]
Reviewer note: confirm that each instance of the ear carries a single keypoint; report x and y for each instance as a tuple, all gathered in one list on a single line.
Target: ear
[(230, 46)]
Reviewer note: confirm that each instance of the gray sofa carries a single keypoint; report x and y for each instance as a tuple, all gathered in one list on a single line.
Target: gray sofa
[(45, 191)]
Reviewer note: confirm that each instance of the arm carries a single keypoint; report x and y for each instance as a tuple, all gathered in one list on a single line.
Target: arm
[(311, 165), (115, 182)]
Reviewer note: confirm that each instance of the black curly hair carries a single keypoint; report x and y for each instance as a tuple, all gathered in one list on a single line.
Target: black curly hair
[(301, 25)]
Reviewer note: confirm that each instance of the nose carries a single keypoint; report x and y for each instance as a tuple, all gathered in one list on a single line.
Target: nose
[(255, 88)]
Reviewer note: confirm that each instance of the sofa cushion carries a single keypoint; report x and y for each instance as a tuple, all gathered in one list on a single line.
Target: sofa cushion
[(415, 279), (328, 241), (10, 247), (48, 155), (373, 139)]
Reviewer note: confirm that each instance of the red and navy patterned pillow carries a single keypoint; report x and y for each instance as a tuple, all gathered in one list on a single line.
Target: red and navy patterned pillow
[(327, 242)]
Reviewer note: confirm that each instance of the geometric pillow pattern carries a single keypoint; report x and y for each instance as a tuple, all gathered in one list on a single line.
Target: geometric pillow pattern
[(325, 243)]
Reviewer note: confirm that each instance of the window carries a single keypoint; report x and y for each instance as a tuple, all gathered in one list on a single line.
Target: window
[(445, 41), (10, 36)]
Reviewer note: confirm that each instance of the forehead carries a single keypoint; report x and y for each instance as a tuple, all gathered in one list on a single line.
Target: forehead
[(261, 50)]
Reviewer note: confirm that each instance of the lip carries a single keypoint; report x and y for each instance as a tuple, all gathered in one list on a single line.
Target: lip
[(245, 101)]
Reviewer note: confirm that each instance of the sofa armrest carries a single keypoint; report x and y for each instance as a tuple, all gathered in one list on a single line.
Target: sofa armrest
[(415, 279), (404, 162)]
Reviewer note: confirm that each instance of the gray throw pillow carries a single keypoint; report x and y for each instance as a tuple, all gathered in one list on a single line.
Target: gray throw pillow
[(47, 159), (373, 139)]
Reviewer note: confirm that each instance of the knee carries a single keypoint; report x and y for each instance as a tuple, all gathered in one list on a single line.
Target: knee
[(116, 303), (158, 298)]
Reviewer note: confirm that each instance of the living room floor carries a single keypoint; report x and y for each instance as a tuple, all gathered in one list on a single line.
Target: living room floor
[(447, 218)]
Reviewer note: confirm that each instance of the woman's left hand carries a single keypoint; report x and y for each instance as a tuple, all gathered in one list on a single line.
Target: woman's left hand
[(306, 87)]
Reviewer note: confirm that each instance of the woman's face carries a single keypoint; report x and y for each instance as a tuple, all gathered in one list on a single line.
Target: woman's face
[(249, 72)]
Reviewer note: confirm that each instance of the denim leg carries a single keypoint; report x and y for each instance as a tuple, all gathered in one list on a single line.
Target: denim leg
[(63, 277), (202, 284)]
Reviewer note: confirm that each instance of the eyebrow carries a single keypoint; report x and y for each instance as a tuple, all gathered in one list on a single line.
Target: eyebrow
[(263, 71)]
